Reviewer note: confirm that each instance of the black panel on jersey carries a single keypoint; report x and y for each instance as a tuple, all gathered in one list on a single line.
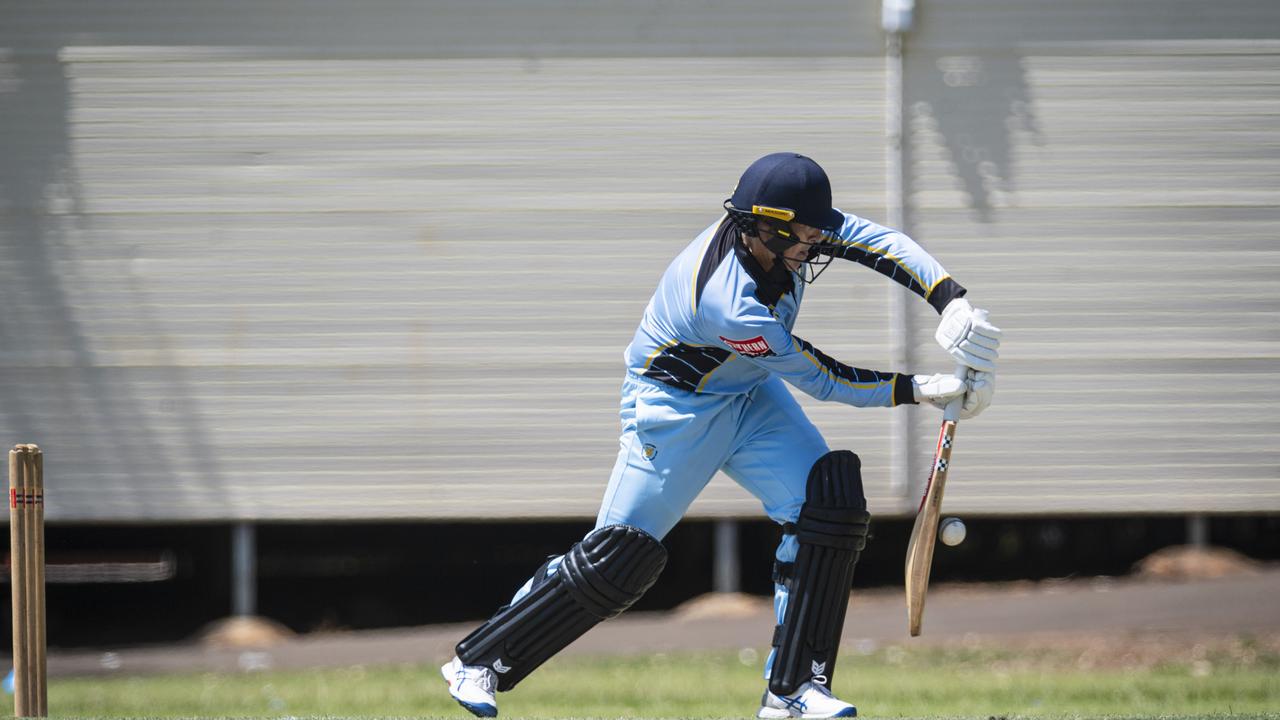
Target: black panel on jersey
[(944, 292), (882, 265), (717, 250), (840, 370), (684, 366), (904, 393), (770, 284)]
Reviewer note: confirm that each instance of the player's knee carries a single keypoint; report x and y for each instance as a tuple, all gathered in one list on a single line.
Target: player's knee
[(835, 480), (611, 568)]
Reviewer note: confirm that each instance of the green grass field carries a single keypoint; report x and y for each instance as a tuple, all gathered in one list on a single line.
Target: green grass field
[(886, 683)]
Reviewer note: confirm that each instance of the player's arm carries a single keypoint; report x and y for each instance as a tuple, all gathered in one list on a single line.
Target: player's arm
[(964, 331), (897, 257), (757, 336)]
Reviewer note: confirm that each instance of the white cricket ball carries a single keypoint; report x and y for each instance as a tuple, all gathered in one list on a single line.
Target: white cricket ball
[(951, 531)]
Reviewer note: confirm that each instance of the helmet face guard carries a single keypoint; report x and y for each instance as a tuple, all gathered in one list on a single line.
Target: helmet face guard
[(773, 227)]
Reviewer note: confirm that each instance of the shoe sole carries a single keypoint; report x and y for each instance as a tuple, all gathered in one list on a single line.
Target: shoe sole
[(479, 710), (779, 714)]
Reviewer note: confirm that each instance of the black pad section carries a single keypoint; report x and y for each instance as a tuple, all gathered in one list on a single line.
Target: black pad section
[(831, 530), (599, 577)]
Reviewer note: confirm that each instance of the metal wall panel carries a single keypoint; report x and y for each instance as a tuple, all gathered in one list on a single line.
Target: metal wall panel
[(380, 260), (1105, 175), (450, 28), (370, 288)]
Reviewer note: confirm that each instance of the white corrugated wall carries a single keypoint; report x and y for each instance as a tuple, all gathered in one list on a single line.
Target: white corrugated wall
[(382, 261)]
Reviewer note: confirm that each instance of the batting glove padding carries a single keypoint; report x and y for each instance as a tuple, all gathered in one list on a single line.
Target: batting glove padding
[(982, 386), (967, 335), (937, 390)]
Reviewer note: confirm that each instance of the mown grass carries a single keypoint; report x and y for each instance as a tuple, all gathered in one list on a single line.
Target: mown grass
[(888, 682)]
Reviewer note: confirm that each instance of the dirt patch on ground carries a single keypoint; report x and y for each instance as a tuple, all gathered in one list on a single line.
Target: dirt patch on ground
[(722, 605), (1186, 562), (244, 632)]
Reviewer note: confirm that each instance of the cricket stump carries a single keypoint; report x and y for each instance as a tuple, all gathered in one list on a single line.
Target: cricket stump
[(26, 566)]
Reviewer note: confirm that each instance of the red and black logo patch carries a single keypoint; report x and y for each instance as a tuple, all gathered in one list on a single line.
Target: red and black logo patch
[(751, 347)]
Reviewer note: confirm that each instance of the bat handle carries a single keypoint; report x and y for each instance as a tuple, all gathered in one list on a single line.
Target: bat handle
[(952, 412)]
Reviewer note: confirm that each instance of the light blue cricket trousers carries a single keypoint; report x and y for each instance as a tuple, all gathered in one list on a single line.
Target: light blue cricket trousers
[(673, 442)]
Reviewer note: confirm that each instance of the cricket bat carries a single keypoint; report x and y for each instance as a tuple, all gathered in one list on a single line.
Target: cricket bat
[(925, 531)]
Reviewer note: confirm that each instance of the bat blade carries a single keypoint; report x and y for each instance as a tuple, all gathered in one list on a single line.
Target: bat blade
[(924, 533)]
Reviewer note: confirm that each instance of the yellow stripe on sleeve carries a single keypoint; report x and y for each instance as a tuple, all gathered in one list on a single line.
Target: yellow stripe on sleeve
[(934, 286), (884, 253)]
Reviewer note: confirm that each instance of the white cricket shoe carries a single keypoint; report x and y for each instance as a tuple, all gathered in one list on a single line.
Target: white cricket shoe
[(810, 701), (472, 686)]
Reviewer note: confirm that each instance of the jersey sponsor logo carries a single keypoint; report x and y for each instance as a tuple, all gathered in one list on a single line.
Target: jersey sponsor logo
[(751, 347)]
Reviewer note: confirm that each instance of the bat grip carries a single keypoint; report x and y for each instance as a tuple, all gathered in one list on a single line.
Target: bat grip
[(952, 412)]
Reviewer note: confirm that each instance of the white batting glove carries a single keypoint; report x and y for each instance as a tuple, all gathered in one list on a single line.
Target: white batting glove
[(937, 390), (982, 386), (967, 335)]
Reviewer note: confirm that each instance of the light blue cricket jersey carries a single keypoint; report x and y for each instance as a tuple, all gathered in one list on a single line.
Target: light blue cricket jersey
[(720, 324)]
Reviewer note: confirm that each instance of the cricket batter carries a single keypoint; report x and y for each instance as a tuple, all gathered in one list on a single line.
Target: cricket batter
[(704, 391)]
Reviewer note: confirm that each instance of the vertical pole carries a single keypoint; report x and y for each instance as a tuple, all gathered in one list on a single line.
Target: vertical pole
[(894, 133), (244, 570), (726, 556), (905, 480), (1198, 531)]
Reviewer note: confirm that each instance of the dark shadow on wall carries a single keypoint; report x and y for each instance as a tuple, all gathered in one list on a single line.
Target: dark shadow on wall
[(56, 392), (977, 103)]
